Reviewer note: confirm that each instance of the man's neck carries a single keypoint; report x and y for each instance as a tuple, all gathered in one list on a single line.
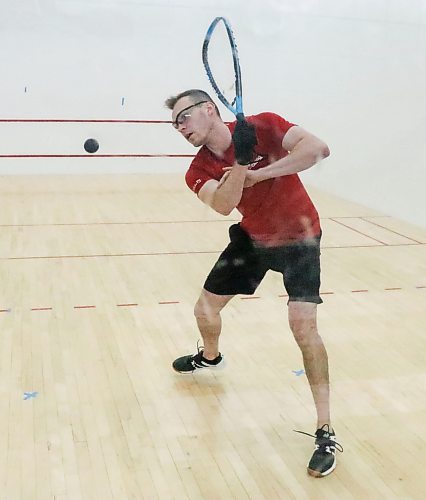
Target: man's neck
[(219, 139)]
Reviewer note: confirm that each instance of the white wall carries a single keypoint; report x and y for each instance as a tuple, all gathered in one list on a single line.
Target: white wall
[(351, 71)]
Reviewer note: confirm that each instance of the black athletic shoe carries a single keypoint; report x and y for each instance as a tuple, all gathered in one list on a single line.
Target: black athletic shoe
[(194, 362), (323, 460)]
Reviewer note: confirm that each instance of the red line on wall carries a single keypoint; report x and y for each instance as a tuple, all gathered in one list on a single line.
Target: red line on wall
[(42, 120), (126, 305), (169, 302), (395, 288), (99, 156), (42, 309), (359, 291), (55, 120), (84, 307)]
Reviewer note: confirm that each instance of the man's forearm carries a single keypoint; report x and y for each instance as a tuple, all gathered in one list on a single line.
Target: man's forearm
[(301, 158), (228, 193)]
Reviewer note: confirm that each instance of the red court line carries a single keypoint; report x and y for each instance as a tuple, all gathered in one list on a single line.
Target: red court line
[(149, 254), (359, 232), (100, 156), (391, 230), (178, 302), (361, 216), (51, 120), (56, 120), (118, 223), (137, 223), (205, 252)]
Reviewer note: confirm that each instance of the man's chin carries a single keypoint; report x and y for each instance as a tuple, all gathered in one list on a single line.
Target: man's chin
[(196, 143)]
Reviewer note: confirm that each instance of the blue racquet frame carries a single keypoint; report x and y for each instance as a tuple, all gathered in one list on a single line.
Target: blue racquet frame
[(236, 106)]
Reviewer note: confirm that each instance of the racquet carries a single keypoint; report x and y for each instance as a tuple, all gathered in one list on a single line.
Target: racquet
[(220, 56)]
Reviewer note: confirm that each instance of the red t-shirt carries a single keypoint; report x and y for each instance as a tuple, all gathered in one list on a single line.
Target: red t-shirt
[(275, 211)]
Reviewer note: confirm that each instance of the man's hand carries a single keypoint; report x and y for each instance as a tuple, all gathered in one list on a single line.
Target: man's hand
[(250, 180), (244, 140)]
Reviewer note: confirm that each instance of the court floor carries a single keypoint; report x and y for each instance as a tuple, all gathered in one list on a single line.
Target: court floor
[(98, 278)]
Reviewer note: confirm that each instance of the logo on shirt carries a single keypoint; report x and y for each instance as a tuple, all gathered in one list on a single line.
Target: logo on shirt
[(196, 184), (254, 163)]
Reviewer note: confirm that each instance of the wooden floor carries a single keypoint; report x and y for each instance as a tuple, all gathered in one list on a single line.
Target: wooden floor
[(98, 277)]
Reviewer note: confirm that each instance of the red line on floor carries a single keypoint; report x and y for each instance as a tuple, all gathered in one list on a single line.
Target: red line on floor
[(178, 302), (356, 231), (391, 230), (148, 222), (149, 254), (85, 224)]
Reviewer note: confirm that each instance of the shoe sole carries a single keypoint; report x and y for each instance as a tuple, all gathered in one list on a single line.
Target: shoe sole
[(315, 473), (218, 367)]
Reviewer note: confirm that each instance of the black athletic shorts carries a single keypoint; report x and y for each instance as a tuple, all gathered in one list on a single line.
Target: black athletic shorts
[(242, 266)]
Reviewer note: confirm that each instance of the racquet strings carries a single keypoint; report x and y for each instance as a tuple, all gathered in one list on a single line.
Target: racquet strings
[(220, 60)]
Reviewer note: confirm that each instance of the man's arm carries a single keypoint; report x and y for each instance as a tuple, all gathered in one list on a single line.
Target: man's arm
[(304, 151), (224, 195)]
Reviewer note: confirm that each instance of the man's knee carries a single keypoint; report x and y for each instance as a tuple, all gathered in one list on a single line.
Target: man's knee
[(209, 305), (302, 318)]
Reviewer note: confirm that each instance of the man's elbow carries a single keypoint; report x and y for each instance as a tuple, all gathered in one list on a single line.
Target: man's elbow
[(222, 210), (324, 151)]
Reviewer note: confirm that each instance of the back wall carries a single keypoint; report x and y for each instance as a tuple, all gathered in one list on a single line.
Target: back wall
[(351, 71)]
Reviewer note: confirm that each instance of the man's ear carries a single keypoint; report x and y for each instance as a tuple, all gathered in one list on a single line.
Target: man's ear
[(210, 108)]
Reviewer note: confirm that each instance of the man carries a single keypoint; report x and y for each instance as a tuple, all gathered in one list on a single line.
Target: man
[(252, 165)]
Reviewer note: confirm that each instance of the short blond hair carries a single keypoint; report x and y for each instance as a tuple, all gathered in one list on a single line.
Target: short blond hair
[(196, 95)]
